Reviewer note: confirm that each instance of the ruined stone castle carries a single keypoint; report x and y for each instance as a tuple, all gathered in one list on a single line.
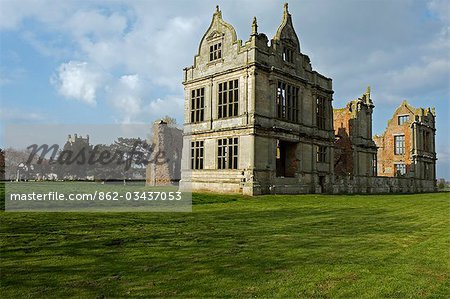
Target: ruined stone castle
[(259, 120)]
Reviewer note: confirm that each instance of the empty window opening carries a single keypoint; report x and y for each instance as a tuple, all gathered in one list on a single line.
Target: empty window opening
[(287, 102), (403, 119), (374, 165), (321, 154), (400, 169), (288, 55), (322, 183), (321, 112), (426, 141), (286, 160), (399, 144)]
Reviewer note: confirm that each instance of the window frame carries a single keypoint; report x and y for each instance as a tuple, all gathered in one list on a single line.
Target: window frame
[(197, 154), (197, 114), (228, 153), (215, 51), (400, 171), (224, 93), (402, 119), (287, 102), (321, 112), (399, 146), (321, 154), (288, 55), (374, 165)]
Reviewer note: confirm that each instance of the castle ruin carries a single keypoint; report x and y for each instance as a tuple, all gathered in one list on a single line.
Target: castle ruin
[(259, 120)]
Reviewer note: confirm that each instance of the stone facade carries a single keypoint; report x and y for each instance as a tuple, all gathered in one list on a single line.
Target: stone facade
[(258, 119)]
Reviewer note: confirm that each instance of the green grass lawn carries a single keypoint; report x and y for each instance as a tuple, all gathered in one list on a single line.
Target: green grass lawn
[(234, 246)]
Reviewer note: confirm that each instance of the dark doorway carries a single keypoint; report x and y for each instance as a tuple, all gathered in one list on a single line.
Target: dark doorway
[(322, 183), (286, 160)]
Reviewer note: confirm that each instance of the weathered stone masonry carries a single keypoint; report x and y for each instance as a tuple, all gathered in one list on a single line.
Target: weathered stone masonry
[(258, 119), (164, 165), (355, 151)]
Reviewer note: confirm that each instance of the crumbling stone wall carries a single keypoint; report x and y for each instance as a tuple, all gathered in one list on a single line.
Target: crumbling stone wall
[(354, 150), (343, 150), (164, 167)]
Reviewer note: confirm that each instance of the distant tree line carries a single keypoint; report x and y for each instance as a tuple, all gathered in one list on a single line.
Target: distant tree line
[(2, 164)]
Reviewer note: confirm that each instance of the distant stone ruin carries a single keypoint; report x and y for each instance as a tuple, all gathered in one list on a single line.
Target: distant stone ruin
[(165, 165)]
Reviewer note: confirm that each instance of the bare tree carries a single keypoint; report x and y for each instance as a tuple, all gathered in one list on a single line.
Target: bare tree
[(169, 120)]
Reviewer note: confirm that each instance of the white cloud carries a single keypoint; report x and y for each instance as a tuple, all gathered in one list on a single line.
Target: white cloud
[(170, 105), (131, 54), (96, 24), (126, 97), (77, 80), (423, 75), (131, 81), (157, 41), (13, 12)]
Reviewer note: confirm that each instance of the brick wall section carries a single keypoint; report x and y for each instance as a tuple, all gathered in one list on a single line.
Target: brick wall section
[(385, 143), (419, 155), (354, 147), (343, 152)]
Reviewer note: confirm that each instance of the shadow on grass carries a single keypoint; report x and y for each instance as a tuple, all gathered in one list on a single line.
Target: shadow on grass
[(108, 254)]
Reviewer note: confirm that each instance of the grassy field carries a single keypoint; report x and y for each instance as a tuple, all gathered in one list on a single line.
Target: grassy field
[(233, 246)]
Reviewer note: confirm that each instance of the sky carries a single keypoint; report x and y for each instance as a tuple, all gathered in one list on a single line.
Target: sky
[(115, 62)]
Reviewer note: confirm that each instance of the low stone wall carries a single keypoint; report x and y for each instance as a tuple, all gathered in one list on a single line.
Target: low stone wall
[(233, 181), (361, 185)]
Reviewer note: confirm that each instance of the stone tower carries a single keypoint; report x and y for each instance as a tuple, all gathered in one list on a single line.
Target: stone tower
[(258, 119), (355, 151), (164, 166)]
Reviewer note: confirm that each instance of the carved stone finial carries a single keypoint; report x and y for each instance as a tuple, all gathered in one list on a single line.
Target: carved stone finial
[(254, 26), (286, 7), (217, 13), (366, 96)]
